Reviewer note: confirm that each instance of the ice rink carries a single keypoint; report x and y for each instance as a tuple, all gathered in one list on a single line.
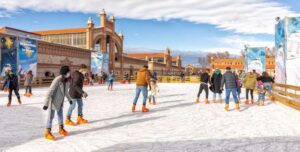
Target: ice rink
[(175, 124)]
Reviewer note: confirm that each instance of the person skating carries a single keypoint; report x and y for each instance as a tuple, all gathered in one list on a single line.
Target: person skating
[(111, 78), (76, 93), (230, 81), (261, 93), (54, 101), (142, 82), (250, 83), (153, 91), (216, 85), (205, 80), (12, 83), (28, 83), (267, 81)]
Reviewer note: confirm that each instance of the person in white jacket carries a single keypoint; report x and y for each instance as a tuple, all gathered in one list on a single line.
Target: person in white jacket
[(153, 91)]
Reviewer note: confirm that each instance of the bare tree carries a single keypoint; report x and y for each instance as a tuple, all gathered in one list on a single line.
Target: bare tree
[(203, 62)]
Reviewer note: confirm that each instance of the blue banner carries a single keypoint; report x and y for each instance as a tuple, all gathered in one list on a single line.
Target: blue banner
[(99, 63), (27, 56), (8, 55), (256, 59), (292, 51), (280, 53)]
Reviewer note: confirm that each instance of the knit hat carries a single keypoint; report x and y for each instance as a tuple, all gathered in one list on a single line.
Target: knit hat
[(64, 70)]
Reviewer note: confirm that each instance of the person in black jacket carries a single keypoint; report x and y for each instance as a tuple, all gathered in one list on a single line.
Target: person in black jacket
[(216, 80), (76, 92), (267, 81), (205, 80), (13, 85)]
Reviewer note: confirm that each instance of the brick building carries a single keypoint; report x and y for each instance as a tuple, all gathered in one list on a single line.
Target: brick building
[(238, 64), (74, 46)]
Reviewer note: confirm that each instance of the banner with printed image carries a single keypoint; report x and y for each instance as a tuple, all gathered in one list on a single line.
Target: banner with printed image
[(99, 63), (27, 56), (256, 59), (280, 54), (8, 47), (293, 51)]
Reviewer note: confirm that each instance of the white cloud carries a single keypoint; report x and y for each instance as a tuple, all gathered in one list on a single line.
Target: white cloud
[(234, 44), (241, 16)]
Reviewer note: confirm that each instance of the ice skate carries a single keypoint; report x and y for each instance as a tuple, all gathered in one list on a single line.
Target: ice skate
[(197, 100), (62, 131), (133, 108), (206, 101), (80, 120), (144, 109), (69, 122), (48, 134), (226, 107)]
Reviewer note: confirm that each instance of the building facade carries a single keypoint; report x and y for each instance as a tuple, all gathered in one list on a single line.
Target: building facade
[(238, 64), (74, 46)]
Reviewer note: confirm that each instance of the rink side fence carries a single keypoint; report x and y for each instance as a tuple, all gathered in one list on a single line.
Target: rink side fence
[(288, 95)]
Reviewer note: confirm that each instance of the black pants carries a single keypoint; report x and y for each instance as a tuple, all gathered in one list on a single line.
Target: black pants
[(205, 87), (247, 93), (28, 89), (10, 93)]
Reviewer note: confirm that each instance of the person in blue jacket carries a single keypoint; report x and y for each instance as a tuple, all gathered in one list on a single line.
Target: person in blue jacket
[(12, 83), (111, 78)]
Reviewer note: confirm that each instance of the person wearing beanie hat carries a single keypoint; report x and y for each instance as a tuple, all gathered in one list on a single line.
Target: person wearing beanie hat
[(55, 101)]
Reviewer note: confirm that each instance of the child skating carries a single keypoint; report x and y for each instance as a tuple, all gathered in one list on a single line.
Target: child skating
[(153, 91), (55, 101), (261, 93), (12, 83)]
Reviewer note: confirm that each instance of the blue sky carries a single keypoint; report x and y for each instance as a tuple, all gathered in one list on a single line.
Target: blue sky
[(194, 26)]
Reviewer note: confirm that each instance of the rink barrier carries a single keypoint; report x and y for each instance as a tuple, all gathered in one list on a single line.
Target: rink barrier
[(288, 95), (177, 79)]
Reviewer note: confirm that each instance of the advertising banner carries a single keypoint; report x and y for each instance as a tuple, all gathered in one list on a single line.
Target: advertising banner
[(293, 51), (280, 45), (256, 59), (27, 56), (8, 55), (99, 63)]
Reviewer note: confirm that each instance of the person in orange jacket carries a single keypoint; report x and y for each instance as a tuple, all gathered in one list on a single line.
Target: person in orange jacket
[(142, 82)]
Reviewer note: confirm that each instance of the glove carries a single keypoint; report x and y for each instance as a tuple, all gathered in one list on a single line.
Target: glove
[(84, 94), (71, 102), (45, 107)]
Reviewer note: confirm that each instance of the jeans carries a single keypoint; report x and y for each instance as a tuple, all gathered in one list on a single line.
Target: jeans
[(152, 97), (215, 95), (268, 87), (10, 93), (50, 119), (140, 89), (261, 97), (247, 94), (234, 94), (110, 83), (73, 105), (205, 88), (28, 89)]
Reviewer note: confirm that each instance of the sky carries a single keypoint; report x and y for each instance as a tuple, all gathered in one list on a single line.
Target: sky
[(183, 25)]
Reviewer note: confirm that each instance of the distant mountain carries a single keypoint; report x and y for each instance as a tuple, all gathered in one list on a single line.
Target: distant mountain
[(188, 57)]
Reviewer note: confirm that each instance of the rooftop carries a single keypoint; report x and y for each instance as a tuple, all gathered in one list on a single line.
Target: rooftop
[(61, 31)]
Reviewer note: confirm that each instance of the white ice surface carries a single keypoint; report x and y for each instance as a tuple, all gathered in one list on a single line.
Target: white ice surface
[(175, 124)]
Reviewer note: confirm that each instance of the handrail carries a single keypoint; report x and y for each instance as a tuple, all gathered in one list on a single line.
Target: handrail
[(287, 94)]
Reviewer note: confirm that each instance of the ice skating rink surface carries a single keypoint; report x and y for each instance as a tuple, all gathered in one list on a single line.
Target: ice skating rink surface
[(175, 124)]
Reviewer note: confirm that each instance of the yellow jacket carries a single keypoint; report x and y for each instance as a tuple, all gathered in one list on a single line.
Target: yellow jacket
[(250, 81), (143, 77)]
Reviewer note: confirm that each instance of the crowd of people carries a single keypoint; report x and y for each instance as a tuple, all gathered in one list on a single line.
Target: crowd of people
[(70, 85), (233, 83)]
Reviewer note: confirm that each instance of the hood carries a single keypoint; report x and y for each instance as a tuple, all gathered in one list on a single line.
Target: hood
[(143, 70), (217, 72)]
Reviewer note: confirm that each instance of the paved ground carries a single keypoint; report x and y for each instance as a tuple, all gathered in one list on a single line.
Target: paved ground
[(175, 124)]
